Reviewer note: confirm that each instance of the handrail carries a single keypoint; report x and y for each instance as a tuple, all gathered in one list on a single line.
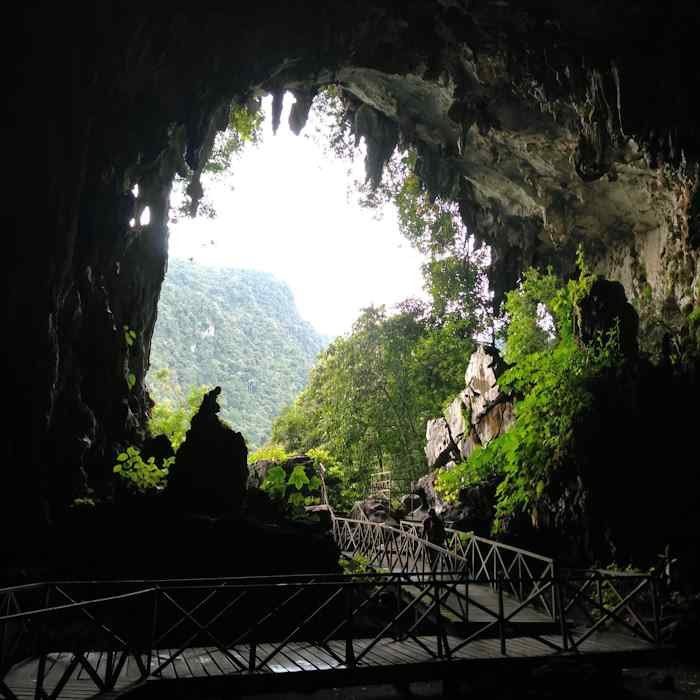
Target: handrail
[(479, 538), (431, 598), (236, 615), (71, 606), (423, 542)]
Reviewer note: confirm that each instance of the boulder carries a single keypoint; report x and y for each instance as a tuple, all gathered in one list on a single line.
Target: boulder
[(374, 509), (472, 511), (211, 467)]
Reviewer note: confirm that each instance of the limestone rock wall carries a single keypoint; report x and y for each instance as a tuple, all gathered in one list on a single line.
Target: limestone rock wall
[(475, 417)]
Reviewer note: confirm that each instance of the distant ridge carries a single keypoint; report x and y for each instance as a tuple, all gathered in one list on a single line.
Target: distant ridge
[(238, 329)]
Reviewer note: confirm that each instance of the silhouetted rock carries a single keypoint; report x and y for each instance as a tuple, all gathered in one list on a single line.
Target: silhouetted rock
[(158, 447), (473, 509), (211, 467), (605, 307)]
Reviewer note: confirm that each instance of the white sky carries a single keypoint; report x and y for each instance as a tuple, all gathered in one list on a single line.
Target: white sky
[(284, 210)]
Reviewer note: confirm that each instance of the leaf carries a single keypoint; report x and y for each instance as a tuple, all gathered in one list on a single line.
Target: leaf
[(298, 478), (296, 499), (122, 457)]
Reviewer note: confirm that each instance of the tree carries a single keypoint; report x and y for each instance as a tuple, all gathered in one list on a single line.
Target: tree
[(371, 393)]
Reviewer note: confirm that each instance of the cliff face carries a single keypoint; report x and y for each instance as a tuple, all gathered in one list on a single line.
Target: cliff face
[(552, 124)]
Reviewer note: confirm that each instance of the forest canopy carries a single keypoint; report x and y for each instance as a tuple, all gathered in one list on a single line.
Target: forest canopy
[(238, 329)]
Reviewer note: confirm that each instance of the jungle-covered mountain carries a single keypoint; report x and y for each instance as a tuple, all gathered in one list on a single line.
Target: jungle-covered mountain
[(238, 329)]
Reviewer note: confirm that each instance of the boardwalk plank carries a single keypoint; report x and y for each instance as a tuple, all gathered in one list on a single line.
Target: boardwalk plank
[(191, 659), (293, 651), (317, 656), (263, 651), (297, 657)]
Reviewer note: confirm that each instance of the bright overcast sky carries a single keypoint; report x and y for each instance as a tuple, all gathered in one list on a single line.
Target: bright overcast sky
[(284, 210)]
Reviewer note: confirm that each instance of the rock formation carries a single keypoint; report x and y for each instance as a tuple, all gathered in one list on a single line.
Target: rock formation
[(211, 467), (475, 417), (473, 511)]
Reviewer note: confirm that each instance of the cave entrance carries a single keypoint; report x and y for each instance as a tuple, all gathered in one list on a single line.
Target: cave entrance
[(288, 245)]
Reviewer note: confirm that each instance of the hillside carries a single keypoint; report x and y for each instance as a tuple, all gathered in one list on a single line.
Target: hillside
[(238, 329)]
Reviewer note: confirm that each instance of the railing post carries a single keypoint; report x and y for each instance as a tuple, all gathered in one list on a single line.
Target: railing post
[(349, 647), (466, 598), (41, 671), (501, 615), (109, 681), (154, 631), (558, 587), (520, 576), (252, 653), (442, 649), (655, 609)]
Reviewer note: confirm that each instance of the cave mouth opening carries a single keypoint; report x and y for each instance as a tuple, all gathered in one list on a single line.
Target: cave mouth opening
[(280, 214), (285, 211)]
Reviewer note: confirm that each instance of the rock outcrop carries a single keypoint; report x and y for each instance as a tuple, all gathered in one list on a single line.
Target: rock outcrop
[(211, 467), (473, 511), (375, 509), (475, 417)]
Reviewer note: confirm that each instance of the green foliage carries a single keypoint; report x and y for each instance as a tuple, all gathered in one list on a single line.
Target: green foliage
[(83, 502), (294, 490), (273, 453), (171, 416), (358, 564), (237, 329), (129, 340), (129, 336), (369, 397), (298, 479), (141, 476), (693, 325), (275, 482), (553, 374), (244, 127)]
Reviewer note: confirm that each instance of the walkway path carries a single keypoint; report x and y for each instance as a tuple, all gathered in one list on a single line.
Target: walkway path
[(479, 604)]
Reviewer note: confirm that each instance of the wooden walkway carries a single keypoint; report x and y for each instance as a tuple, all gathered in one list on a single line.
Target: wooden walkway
[(408, 654), (433, 613)]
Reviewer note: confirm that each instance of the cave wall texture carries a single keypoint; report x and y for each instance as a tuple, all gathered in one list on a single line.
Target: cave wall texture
[(552, 124)]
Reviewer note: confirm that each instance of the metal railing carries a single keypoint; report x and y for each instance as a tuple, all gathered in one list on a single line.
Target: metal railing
[(488, 560), (581, 603), (426, 594), (248, 622)]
